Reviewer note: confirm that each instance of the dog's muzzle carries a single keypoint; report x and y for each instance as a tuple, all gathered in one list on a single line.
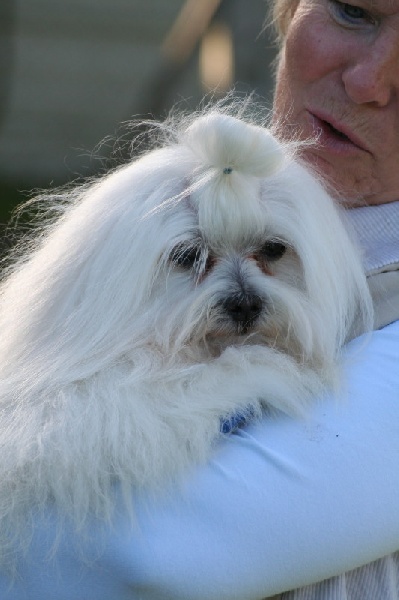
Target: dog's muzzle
[(243, 310)]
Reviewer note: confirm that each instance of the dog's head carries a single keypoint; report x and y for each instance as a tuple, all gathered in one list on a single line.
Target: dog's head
[(220, 237), (250, 249), (229, 279)]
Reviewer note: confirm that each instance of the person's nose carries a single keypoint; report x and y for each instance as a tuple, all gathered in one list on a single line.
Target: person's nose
[(372, 76)]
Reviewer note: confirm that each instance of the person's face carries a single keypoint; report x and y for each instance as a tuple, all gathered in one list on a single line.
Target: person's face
[(338, 79)]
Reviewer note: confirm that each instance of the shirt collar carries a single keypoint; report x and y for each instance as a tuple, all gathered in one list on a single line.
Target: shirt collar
[(377, 229)]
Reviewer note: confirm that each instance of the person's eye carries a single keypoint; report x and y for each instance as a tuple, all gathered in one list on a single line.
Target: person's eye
[(350, 14)]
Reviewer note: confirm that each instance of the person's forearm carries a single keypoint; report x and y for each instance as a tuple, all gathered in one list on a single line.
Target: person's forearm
[(284, 503)]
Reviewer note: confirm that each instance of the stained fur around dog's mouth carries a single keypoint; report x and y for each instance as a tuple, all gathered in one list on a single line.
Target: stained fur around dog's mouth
[(229, 334)]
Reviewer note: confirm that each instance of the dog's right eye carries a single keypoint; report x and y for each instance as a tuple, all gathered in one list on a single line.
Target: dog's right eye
[(185, 256)]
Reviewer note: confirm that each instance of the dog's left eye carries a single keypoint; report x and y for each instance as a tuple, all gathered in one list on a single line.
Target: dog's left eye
[(185, 256), (273, 250)]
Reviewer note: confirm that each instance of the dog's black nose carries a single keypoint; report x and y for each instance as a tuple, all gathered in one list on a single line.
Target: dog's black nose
[(243, 310)]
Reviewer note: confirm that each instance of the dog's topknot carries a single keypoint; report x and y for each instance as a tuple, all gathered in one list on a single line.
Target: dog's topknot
[(229, 144), (232, 157)]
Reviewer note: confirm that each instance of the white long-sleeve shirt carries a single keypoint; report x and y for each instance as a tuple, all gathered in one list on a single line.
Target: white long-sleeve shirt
[(378, 235)]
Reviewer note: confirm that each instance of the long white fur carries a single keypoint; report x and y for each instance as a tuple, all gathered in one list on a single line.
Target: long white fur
[(107, 369)]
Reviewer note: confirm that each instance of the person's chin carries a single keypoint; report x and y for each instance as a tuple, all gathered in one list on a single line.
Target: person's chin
[(340, 184)]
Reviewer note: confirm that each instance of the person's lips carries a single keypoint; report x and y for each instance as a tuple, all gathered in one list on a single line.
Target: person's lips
[(335, 136)]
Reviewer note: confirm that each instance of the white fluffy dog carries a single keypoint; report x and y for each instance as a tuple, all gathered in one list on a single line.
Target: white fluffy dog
[(211, 277)]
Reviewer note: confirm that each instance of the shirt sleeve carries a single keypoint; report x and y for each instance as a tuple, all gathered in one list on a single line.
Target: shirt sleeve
[(282, 504)]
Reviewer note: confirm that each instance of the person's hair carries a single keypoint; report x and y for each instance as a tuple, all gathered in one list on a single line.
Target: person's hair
[(282, 12)]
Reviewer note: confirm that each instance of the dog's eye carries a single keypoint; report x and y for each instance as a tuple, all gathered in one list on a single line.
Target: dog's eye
[(185, 256), (273, 250)]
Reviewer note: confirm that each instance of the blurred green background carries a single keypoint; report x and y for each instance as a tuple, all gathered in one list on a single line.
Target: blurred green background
[(72, 71)]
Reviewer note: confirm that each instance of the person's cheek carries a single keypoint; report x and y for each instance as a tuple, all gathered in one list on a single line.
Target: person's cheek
[(312, 49)]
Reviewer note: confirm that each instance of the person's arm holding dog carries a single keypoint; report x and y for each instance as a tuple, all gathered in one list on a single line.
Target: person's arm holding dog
[(283, 503)]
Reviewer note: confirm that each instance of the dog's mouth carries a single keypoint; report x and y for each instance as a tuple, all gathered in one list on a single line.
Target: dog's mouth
[(247, 328), (219, 340)]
